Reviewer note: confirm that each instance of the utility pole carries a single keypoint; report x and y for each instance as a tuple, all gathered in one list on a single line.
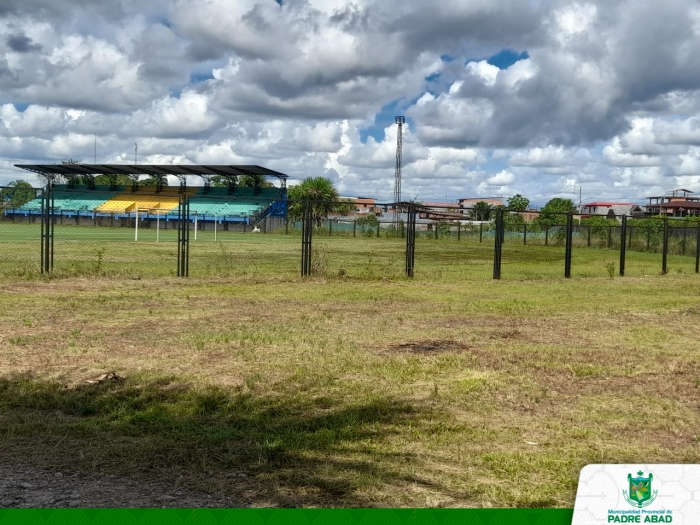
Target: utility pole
[(95, 148), (136, 149), (580, 204), (399, 120)]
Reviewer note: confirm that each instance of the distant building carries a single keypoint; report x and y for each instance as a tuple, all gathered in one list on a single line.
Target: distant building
[(676, 203), (529, 215), (609, 208), (470, 202), (363, 205), (466, 206), (441, 211)]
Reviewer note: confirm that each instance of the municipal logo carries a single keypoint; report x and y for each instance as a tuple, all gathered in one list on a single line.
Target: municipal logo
[(640, 492)]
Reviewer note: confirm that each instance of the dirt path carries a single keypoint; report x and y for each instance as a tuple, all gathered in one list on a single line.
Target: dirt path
[(23, 487)]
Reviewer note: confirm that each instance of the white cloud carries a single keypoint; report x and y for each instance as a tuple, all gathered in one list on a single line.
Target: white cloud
[(596, 102)]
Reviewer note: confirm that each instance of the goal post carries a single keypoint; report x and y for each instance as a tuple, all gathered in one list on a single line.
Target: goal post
[(145, 211)]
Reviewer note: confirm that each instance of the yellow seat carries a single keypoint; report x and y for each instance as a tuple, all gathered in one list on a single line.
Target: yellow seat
[(128, 202)]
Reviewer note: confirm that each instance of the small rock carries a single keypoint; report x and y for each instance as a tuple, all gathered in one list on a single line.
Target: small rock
[(27, 486), (242, 476), (74, 503), (74, 496), (58, 475)]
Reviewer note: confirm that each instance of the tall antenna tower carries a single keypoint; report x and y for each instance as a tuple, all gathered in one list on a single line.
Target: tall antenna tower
[(400, 120)]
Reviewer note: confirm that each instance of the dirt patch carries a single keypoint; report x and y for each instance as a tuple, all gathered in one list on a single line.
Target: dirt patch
[(507, 334), (430, 346), (32, 487)]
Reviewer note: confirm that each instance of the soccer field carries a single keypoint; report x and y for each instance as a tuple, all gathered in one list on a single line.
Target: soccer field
[(80, 250), (351, 392)]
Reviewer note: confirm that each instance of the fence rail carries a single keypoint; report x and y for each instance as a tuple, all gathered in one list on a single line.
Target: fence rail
[(287, 239)]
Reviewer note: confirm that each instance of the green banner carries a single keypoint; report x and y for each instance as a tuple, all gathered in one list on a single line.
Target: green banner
[(286, 516)]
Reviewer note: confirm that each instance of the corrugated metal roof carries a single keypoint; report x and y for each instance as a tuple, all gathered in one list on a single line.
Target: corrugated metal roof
[(606, 203), (153, 170)]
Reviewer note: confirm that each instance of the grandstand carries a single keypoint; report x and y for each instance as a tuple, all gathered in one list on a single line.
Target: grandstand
[(229, 204), (208, 204)]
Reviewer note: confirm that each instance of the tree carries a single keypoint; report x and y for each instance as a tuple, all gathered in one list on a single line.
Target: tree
[(153, 181), (251, 181), (319, 191), (553, 212), (518, 203), (16, 194), (246, 181), (114, 179), (482, 211)]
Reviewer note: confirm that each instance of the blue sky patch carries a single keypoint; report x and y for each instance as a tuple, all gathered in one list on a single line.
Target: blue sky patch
[(196, 78), (385, 118), (506, 58)]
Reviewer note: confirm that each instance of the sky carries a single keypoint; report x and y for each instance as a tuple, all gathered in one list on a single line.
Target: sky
[(546, 98)]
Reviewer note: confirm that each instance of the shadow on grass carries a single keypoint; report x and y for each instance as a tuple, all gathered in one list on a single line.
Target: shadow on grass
[(295, 450)]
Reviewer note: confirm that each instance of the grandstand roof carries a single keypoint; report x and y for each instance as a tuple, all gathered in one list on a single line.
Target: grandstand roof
[(153, 170)]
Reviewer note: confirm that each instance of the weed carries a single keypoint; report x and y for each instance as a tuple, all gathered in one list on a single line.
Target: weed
[(610, 268), (319, 260), (99, 254)]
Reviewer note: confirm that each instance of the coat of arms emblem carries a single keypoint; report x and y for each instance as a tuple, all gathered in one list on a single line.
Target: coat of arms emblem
[(640, 492)]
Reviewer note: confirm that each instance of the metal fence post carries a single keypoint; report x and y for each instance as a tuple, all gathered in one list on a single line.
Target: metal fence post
[(697, 250), (569, 244), (47, 229), (623, 244), (588, 232), (481, 231), (43, 224), (459, 230), (610, 236), (410, 241), (52, 224), (524, 234), (377, 230), (306, 233), (330, 228), (497, 245), (546, 235), (183, 237), (664, 257), (354, 228)]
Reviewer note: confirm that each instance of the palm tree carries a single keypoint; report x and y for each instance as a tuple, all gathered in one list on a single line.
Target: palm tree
[(17, 193), (320, 194), (482, 211)]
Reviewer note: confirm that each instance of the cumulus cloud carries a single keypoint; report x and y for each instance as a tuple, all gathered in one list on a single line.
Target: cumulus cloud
[(595, 101)]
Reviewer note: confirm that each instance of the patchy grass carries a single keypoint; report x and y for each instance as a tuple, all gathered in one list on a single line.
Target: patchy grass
[(354, 393), (111, 251)]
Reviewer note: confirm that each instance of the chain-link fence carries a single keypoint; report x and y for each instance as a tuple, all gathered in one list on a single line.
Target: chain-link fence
[(149, 231), (20, 231)]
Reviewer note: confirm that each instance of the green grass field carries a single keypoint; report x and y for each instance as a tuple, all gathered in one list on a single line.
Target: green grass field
[(113, 251), (351, 388)]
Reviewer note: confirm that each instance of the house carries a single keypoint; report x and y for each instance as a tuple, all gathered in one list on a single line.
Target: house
[(529, 215), (467, 205), (608, 208), (363, 205), (441, 211), (676, 203)]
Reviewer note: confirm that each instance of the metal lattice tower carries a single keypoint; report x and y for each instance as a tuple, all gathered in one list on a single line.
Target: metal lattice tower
[(397, 173)]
